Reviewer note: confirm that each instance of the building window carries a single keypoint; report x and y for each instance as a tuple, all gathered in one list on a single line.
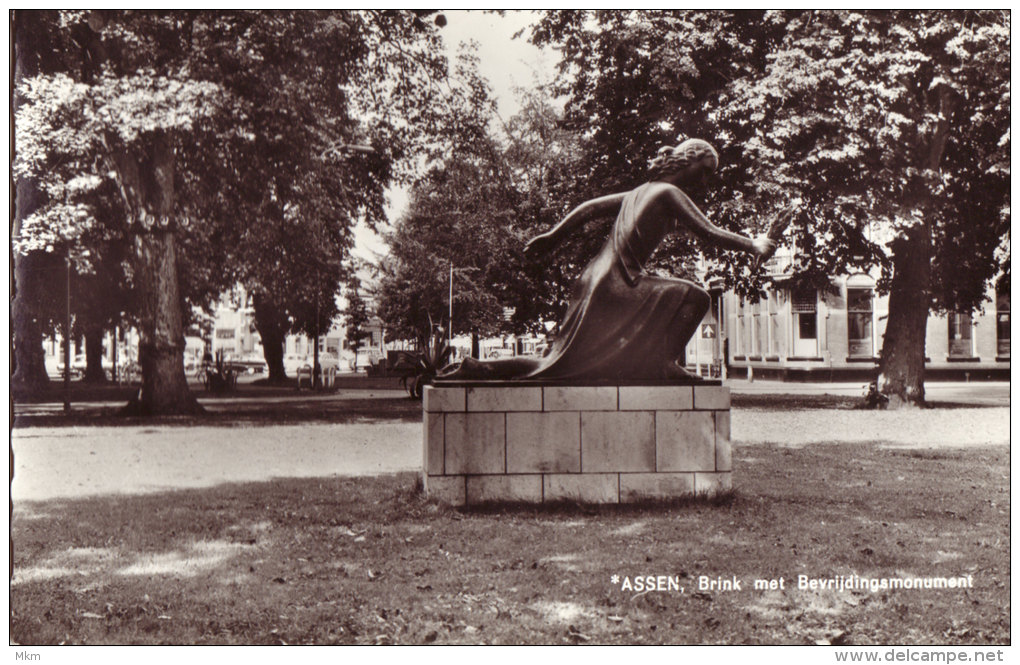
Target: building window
[(804, 307), (759, 329), (773, 305), (961, 343), (742, 346), (807, 325), (860, 322), (224, 333), (1002, 323)]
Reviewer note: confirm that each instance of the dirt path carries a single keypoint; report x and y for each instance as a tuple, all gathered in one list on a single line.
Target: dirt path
[(86, 461), (931, 428)]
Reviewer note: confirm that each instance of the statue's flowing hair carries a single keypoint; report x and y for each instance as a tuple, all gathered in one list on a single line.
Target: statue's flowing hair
[(671, 159)]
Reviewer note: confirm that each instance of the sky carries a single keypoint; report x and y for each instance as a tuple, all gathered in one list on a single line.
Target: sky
[(504, 61)]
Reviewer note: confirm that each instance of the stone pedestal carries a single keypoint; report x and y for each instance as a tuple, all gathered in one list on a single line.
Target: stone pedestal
[(514, 441)]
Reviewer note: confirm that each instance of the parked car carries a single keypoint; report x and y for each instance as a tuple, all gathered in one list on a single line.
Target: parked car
[(77, 365), (368, 358), (250, 363), (292, 362), (328, 360)]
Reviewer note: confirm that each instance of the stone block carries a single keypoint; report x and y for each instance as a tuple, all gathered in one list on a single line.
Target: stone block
[(434, 436), (711, 484), (579, 398), (617, 441), (440, 399), (475, 443), (582, 487), (504, 398), (644, 486), (711, 397), (448, 489), (543, 442), (684, 441), (515, 487), (656, 398), (723, 449)]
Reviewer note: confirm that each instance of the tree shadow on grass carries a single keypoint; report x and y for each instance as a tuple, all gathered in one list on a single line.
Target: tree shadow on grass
[(788, 402), (566, 507), (238, 412)]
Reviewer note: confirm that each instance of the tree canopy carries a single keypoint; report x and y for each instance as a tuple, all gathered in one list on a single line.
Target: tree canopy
[(472, 213), (265, 134), (885, 134)]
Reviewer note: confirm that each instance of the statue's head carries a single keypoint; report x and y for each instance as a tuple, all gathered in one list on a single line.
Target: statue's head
[(692, 159)]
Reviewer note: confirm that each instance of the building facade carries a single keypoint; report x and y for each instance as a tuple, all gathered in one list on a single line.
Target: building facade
[(836, 334)]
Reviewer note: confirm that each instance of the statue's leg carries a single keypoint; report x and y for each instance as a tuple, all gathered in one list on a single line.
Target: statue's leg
[(695, 304), (493, 370)]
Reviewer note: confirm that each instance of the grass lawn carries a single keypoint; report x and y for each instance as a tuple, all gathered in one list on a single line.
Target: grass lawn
[(369, 561)]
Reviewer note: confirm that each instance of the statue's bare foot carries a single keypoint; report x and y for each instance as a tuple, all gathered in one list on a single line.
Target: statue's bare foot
[(673, 370)]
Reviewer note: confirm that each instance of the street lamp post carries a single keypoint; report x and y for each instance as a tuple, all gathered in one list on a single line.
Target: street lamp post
[(450, 319), (67, 338)]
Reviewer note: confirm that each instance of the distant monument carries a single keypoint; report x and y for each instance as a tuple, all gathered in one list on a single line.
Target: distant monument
[(622, 322), (608, 415)]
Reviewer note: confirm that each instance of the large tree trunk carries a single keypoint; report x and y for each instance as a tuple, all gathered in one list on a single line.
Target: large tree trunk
[(29, 358), (146, 183), (26, 331), (94, 372), (901, 366), (272, 326), (161, 329)]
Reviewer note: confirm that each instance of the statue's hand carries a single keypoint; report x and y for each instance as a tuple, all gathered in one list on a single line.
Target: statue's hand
[(764, 247), (539, 245)]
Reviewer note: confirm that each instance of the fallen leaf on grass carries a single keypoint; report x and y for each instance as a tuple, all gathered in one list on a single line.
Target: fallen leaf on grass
[(576, 635), (614, 618), (91, 615)]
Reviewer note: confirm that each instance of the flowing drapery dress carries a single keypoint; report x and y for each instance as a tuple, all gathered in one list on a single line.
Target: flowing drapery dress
[(622, 322)]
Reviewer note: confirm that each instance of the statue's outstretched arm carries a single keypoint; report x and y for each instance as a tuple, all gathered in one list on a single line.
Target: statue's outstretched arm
[(604, 206), (694, 220)]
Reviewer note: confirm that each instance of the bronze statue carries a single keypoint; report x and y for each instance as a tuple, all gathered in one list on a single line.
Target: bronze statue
[(622, 322)]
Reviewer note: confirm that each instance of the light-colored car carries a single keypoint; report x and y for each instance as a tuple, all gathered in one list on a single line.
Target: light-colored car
[(253, 363), (292, 362), (328, 360), (367, 358), (78, 364)]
